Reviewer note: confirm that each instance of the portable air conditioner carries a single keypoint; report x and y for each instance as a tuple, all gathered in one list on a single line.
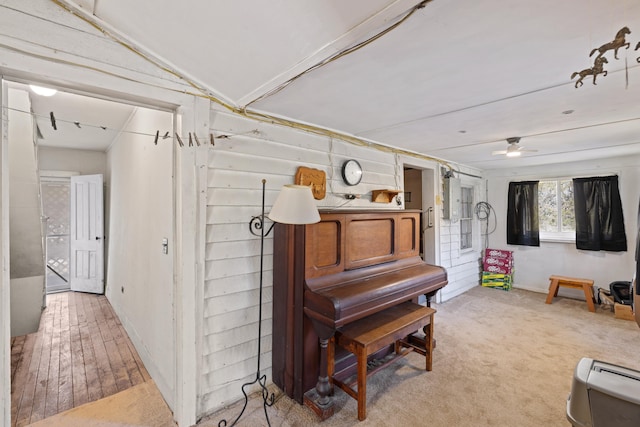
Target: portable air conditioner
[(604, 395)]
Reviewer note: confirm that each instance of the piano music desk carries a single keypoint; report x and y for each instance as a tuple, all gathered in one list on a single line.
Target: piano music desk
[(571, 282), (370, 334)]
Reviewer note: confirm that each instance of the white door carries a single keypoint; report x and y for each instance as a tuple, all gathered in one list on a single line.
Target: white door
[(86, 240)]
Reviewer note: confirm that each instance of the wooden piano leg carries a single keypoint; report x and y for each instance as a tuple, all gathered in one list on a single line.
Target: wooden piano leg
[(426, 332), (323, 387), (361, 354), (331, 362), (429, 296), (429, 343), (319, 399)]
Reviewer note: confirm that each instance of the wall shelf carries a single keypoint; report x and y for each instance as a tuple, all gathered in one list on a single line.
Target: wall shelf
[(384, 196)]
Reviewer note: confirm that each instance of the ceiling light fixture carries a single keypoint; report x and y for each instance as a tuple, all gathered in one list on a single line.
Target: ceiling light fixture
[(513, 149), (43, 91)]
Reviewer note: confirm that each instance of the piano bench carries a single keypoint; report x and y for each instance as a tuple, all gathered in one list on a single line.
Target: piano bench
[(366, 336), (571, 282)]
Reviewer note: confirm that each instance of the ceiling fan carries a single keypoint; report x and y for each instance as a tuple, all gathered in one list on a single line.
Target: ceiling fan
[(513, 150)]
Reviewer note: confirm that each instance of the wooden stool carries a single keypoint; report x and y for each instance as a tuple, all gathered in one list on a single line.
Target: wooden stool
[(366, 336), (571, 282)]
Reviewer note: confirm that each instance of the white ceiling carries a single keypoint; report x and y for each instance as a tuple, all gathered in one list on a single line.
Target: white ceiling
[(99, 121), (453, 81)]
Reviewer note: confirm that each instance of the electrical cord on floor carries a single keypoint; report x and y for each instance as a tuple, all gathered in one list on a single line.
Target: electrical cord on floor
[(483, 213)]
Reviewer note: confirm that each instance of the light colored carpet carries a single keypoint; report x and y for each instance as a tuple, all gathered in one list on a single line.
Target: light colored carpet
[(502, 359), (138, 406)]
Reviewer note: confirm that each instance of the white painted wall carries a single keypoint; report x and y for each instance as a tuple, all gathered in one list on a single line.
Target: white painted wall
[(139, 277), (534, 265), (27, 295), (84, 162), (463, 266), (26, 236), (27, 258)]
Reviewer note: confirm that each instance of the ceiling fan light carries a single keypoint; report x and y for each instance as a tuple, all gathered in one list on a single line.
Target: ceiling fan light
[(513, 153), (43, 91)]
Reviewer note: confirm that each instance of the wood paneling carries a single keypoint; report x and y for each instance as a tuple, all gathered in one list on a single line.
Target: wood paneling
[(369, 240), (80, 354)]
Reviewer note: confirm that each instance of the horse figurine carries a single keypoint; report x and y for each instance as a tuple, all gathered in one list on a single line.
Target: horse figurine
[(616, 44), (595, 70)]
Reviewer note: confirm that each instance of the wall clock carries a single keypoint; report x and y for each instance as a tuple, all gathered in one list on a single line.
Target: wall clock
[(351, 172)]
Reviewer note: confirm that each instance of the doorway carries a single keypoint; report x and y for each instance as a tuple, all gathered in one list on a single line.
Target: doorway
[(139, 213), (73, 213), (55, 209), (420, 193)]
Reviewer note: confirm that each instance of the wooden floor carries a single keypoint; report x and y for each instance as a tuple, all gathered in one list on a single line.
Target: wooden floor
[(80, 354)]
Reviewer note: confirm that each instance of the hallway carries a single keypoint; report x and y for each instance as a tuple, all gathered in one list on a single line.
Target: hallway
[(81, 353)]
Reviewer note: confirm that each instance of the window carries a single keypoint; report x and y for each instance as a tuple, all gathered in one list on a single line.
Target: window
[(555, 210), (466, 218)]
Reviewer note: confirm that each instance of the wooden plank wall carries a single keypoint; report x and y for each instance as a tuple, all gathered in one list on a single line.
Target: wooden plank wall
[(463, 267), (237, 165)]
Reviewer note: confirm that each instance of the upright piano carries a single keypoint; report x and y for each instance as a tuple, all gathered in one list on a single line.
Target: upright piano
[(348, 266)]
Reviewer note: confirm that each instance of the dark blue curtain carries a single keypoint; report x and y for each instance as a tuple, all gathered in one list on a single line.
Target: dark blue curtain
[(522, 214), (599, 218)]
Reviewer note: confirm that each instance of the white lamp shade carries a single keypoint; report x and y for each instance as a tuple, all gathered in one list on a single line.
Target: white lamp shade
[(295, 205)]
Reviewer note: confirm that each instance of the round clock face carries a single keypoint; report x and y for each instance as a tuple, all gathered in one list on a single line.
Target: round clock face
[(351, 172)]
